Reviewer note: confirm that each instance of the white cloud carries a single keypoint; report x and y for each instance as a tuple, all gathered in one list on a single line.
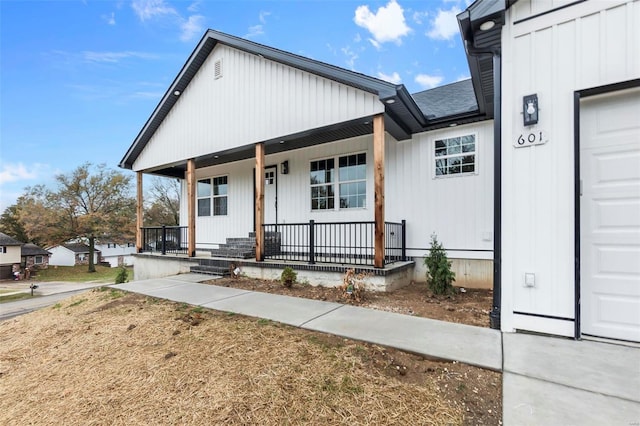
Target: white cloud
[(191, 27), (428, 81), (18, 172), (195, 6), (386, 25), (463, 77), (445, 25), (114, 57), (258, 29), (254, 31), (109, 19), (149, 9), (263, 16), (393, 78), (351, 57), (419, 17)]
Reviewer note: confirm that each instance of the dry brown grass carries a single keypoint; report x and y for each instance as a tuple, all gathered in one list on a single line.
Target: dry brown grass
[(107, 357)]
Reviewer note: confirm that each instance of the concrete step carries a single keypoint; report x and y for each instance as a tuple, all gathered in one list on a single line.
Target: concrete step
[(234, 253), (210, 270)]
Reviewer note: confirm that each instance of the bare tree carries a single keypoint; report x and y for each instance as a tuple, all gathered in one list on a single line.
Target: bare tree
[(90, 202), (164, 207)]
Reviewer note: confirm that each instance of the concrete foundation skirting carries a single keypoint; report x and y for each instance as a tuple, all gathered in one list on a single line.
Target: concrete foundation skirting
[(146, 266)]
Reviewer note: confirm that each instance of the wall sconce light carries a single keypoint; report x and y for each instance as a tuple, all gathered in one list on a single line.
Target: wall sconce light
[(530, 110), (284, 167)]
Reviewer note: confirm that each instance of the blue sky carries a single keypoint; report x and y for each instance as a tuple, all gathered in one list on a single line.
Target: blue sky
[(78, 79)]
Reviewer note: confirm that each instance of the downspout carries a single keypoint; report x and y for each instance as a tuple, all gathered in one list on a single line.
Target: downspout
[(494, 315)]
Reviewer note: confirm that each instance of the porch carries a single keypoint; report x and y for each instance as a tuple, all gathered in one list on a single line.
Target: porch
[(344, 243), (319, 251)]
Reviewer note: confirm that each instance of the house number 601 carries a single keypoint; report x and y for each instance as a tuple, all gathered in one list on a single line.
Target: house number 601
[(536, 137)]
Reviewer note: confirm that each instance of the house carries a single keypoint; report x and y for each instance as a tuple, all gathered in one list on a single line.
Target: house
[(9, 256), (528, 173), (116, 254), (33, 256), (71, 255)]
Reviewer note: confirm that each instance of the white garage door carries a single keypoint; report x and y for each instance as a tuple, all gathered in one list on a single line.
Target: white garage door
[(610, 215)]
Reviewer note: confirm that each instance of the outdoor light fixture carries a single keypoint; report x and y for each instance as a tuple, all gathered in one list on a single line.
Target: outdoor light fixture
[(530, 110), (487, 25), (390, 101), (284, 167), (177, 93)]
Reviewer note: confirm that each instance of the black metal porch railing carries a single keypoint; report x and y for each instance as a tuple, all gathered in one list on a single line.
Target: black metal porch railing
[(165, 239), (328, 242)]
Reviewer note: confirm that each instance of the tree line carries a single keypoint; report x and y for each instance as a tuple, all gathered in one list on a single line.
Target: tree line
[(91, 203)]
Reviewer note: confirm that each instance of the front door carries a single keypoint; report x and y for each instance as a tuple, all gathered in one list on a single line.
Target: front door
[(610, 215), (270, 195)]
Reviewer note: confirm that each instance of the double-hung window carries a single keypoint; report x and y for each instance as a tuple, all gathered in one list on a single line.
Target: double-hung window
[(322, 184), (212, 196), (349, 185), (455, 156)]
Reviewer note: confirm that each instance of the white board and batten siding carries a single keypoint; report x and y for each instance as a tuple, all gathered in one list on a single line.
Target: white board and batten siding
[(581, 46), (254, 100), (457, 208)]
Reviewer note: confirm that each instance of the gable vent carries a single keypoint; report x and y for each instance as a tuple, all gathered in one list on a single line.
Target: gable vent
[(217, 73)]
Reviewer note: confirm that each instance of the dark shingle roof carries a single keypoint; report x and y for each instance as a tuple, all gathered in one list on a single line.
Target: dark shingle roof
[(33, 250), (77, 248), (6, 240), (448, 100)]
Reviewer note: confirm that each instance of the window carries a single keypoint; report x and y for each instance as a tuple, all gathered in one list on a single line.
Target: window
[(3, 249), (322, 192), (352, 173), (212, 196), (455, 156), (351, 181), (38, 260)]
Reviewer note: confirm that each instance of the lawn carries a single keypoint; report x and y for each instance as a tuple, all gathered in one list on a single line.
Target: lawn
[(80, 273), (108, 357)]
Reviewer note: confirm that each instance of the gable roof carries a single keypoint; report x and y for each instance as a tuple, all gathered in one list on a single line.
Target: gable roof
[(6, 240), (33, 250), (77, 247), (399, 104), (403, 115)]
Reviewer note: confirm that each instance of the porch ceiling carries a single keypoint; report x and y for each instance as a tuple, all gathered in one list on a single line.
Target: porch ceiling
[(305, 139)]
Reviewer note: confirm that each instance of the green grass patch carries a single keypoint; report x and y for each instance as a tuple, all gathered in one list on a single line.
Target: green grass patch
[(56, 306), (78, 302), (79, 274), (197, 310), (16, 296), (6, 291)]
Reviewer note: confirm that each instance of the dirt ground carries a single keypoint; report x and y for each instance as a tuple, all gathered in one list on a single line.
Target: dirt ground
[(468, 306), (110, 357)]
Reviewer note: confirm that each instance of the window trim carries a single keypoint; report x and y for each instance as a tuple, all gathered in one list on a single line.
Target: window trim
[(337, 182), (475, 153)]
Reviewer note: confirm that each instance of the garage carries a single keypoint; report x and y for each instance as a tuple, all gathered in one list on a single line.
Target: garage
[(609, 156)]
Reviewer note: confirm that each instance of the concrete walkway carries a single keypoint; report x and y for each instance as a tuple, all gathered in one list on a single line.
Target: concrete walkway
[(477, 346), (546, 380)]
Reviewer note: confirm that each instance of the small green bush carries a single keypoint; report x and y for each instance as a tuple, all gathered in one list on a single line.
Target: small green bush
[(122, 275), (439, 274), (288, 277)]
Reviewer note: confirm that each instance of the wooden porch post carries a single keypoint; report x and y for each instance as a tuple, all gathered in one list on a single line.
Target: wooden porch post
[(259, 201), (139, 212), (191, 207), (378, 183)]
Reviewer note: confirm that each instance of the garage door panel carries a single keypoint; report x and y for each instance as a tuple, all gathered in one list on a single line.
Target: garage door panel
[(615, 215), (617, 168), (610, 216)]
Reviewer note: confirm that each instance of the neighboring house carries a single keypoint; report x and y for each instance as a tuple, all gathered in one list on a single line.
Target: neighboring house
[(9, 255), (32, 255), (528, 173), (116, 254), (71, 255)]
